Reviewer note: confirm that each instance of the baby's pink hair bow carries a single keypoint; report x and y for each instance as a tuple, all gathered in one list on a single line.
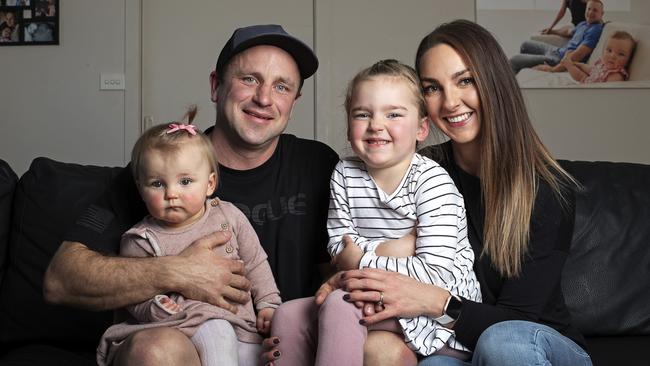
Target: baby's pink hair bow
[(173, 127)]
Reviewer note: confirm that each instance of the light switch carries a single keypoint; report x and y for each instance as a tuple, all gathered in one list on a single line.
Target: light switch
[(111, 81)]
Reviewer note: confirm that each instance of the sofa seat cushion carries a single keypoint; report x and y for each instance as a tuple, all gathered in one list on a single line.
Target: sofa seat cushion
[(7, 184), (605, 278), (48, 198)]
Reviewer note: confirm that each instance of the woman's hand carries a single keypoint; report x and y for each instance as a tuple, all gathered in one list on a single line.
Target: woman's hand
[(271, 351), (403, 296)]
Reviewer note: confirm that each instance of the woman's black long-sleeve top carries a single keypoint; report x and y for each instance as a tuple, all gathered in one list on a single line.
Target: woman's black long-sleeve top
[(535, 295)]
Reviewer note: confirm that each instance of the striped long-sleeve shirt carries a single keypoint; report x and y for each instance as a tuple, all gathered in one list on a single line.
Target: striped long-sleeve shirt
[(426, 197)]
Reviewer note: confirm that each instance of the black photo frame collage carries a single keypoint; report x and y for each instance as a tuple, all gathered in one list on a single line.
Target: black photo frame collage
[(29, 22)]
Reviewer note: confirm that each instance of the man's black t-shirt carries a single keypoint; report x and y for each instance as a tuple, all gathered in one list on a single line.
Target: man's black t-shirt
[(285, 199)]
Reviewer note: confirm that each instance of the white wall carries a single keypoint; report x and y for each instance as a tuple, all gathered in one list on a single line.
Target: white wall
[(51, 105), (588, 124), (50, 102)]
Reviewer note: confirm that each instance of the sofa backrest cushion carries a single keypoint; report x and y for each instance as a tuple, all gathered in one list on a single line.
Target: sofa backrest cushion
[(605, 279), (48, 198), (640, 64), (7, 184)]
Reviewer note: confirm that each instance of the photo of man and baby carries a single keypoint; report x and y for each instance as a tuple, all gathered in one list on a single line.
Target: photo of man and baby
[(572, 43)]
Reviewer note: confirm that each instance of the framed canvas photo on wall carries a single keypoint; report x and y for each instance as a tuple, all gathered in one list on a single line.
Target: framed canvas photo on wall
[(572, 43)]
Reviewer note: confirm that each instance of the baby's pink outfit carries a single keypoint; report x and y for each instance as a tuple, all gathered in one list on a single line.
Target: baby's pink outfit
[(600, 73), (148, 239)]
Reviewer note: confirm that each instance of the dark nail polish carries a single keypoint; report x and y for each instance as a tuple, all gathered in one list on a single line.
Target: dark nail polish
[(346, 297), (276, 341), (276, 354), (343, 275), (362, 322)]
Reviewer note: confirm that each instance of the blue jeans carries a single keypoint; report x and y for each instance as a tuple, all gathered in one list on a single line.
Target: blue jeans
[(518, 342), (535, 53)]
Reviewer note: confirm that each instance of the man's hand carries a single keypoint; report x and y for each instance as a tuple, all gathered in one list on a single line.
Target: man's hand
[(349, 257), (78, 276), (201, 274), (264, 318)]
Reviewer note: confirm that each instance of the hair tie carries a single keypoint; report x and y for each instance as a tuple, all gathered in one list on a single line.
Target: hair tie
[(173, 127)]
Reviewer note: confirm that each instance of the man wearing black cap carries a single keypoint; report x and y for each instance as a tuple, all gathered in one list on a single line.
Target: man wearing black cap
[(279, 181)]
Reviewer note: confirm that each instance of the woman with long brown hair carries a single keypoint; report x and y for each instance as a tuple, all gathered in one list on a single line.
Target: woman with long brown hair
[(519, 205)]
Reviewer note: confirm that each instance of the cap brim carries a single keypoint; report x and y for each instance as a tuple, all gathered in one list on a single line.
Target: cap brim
[(305, 58)]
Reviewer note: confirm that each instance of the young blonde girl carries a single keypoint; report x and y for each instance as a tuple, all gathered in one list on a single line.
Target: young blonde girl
[(378, 200), (175, 169), (611, 66)]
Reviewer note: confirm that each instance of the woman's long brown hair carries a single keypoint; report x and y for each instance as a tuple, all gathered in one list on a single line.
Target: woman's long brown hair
[(513, 157)]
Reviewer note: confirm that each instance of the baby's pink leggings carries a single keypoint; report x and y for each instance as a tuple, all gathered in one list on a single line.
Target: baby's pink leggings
[(322, 336)]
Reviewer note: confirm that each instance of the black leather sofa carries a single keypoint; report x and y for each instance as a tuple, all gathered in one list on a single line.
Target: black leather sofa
[(606, 281)]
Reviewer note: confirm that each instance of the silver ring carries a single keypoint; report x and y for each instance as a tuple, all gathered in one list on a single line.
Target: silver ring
[(381, 299)]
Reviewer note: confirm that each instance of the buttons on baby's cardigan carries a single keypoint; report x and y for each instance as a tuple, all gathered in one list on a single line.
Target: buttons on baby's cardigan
[(224, 226), (229, 248)]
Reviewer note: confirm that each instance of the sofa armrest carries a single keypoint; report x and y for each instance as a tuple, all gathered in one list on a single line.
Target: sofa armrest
[(605, 278), (47, 200)]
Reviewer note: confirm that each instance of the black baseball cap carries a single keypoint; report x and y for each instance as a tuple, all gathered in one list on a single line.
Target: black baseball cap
[(273, 35)]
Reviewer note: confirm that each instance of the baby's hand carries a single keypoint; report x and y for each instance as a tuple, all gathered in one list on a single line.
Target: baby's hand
[(166, 303), (264, 318)]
